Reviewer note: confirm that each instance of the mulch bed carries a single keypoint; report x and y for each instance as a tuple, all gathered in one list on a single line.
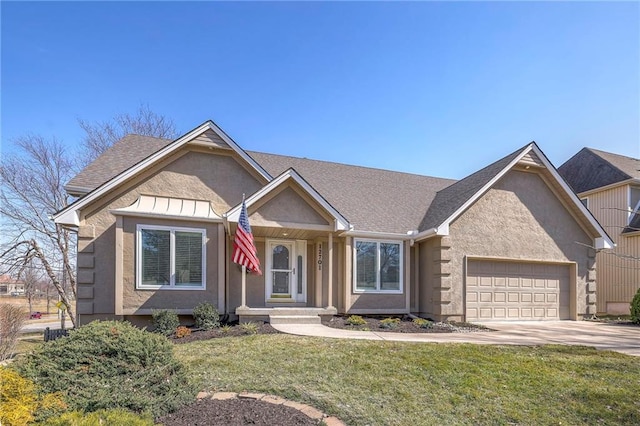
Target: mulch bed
[(236, 412), (234, 330), (406, 325)]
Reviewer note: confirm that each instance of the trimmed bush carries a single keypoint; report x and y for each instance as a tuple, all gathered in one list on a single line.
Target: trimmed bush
[(356, 320), (111, 364), (165, 321), (101, 417), (20, 402), (250, 327), (206, 316), (635, 308), (423, 323), (182, 331), (12, 319), (390, 323)]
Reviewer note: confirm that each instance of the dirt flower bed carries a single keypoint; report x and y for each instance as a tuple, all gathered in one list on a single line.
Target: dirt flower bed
[(236, 412), (403, 324), (232, 330)]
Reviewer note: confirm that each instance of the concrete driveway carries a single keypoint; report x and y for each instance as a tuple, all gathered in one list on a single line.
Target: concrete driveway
[(603, 336)]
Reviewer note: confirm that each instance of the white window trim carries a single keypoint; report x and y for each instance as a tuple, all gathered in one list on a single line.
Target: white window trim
[(632, 209), (172, 285), (355, 266)]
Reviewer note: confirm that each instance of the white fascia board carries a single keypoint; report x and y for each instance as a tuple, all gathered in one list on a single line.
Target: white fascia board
[(377, 235), (601, 243), (606, 241), (153, 158), (341, 223), (606, 187), (67, 218)]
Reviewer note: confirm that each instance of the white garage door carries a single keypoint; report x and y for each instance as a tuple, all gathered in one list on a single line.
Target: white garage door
[(516, 291)]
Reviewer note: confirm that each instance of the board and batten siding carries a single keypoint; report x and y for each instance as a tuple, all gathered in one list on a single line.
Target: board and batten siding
[(618, 275)]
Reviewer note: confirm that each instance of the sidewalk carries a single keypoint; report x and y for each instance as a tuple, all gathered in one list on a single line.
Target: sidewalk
[(615, 337)]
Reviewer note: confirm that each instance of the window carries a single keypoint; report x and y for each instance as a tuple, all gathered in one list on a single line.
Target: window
[(378, 266), (585, 202), (170, 257), (634, 202)]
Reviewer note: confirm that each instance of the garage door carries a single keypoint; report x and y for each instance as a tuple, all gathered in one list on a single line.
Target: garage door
[(516, 291)]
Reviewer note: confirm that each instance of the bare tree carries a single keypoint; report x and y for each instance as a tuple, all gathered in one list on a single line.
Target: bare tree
[(32, 279), (31, 189), (100, 136)]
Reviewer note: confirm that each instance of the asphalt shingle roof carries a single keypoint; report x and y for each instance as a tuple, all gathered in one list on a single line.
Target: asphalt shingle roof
[(450, 199), (590, 169), (121, 156), (370, 199)]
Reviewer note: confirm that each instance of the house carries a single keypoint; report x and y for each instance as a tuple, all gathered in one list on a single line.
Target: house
[(10, 286), (155, 221), (609, 185)]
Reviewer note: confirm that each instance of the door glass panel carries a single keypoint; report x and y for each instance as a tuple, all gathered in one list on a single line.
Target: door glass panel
[(280, 282), (299, 274), (280, 257)]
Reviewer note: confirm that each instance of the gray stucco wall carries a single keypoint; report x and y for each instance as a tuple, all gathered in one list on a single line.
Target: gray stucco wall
[(186, 174), (519, 218)]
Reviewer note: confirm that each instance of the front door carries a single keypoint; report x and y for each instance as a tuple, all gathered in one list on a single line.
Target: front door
[(286, 271)]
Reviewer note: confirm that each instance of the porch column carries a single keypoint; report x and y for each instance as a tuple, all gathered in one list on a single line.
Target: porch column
[(330, 278), (318, 286)]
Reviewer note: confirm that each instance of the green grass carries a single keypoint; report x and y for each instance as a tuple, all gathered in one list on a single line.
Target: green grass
[(386, 383)]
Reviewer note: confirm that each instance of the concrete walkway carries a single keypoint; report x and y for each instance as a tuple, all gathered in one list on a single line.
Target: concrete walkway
[(603, 336)]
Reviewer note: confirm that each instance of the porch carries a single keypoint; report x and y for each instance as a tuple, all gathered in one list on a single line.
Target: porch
[(285, 315)]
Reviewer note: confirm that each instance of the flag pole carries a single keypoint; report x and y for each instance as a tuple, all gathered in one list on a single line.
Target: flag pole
[(244, 287)]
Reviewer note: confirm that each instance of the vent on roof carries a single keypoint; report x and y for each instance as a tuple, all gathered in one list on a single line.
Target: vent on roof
[(531, 159)]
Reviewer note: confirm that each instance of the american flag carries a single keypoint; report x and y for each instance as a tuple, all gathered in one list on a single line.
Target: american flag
[(244, 250)]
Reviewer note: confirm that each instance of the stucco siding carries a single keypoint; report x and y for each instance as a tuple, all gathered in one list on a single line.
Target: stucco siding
[(618, 271), (520, 218), (289, 207), (192, 174), (135, 299)]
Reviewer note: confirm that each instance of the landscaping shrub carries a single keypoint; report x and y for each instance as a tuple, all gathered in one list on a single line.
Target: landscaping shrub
[(165, 321), (423, 323), (12, 319), (249, 327), (635, 308), (356, 320), (101, 417), (20, 402), (111, 364), (182, 331), (390, 323), (206, 316)]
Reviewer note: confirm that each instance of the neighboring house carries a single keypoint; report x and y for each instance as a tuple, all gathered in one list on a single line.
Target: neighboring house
[(11, 286), (156, 219), (609, 185)]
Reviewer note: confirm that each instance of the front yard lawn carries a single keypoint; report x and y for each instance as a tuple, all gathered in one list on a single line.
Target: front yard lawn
[(387, 383)]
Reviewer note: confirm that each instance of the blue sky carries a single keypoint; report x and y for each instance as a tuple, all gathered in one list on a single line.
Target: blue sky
[(436, 88)]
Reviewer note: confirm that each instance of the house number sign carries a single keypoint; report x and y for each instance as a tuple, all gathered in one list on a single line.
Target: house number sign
[(319, 257)]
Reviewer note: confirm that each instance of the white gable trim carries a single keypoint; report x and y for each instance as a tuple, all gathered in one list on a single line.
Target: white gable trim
[(63, 216), (340, 223), (603, 241)]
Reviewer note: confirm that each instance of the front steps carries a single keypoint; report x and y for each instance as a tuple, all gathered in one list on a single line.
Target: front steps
[(285, 315), (294, 319)]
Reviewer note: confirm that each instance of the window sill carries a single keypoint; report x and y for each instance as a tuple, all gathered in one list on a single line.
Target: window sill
[(170, 288)]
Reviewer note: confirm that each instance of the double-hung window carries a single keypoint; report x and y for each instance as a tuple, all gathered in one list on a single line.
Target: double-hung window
[(378, 266), (170, 257)]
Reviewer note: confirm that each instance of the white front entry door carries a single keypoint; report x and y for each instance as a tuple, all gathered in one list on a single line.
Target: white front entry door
[(286, 271)]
